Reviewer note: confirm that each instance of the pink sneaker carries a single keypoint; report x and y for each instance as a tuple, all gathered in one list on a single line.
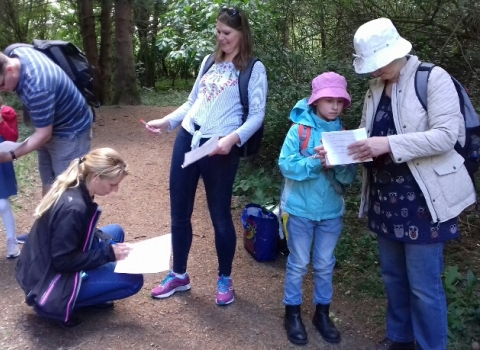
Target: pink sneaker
[(170, 285), (225, 292)]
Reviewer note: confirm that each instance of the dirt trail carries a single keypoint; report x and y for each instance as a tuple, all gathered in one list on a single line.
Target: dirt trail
[(188, 320)]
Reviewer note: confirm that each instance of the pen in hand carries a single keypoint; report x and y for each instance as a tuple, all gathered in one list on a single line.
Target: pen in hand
[(149, 128), (121, 250)]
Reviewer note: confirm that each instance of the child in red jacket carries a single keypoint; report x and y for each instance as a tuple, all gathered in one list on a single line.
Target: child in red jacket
[(8, 132)]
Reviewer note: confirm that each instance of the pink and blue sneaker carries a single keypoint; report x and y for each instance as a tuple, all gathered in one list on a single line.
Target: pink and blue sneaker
[(171, 284), (225, 292)]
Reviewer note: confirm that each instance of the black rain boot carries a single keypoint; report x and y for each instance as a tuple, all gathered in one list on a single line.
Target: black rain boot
[(323, 323), (388, 344), (296, 332)]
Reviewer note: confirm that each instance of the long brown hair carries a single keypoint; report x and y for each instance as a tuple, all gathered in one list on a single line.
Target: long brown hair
[(237, 19)]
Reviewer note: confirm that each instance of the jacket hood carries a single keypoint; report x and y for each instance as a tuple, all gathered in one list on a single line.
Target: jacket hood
[(304, 114)]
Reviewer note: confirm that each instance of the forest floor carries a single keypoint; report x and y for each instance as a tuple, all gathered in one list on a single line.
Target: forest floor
[(188, 320)]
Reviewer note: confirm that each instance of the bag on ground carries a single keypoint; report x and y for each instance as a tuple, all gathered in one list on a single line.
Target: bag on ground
[(260, 232)]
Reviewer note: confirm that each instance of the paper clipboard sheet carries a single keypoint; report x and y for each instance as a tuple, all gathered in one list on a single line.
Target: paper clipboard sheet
[(200, 152), (336, 143), (7, 146), (149, 256)]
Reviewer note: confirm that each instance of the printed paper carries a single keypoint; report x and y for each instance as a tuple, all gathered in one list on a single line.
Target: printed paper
[(336, 143)]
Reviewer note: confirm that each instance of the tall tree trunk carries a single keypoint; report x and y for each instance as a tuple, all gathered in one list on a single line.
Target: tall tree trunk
[(105, 60), (89, 37), (158, 9), (142, 13), (126, 91)]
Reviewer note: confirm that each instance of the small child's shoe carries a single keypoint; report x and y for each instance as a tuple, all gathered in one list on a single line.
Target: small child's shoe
[(12, 248)]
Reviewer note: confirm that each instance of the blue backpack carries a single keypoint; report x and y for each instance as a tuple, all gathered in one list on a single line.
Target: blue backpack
[(471, 151)]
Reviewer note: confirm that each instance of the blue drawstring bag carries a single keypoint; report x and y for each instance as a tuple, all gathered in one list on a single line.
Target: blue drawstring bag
[(260, 232)]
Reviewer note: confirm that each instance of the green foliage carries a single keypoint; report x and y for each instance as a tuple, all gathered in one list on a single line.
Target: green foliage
[(25, 169), (258, 185), (357, 252), (187, 35), (463, 305), (12, 100), (165, 99)]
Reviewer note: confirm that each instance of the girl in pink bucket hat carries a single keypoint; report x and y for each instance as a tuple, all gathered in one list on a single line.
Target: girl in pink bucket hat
[(312, 197)]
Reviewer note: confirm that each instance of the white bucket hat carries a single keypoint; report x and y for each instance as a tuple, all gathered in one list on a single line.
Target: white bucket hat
[(377, 43)]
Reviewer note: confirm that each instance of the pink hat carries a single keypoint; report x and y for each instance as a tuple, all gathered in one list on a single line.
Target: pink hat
[(330, 84)]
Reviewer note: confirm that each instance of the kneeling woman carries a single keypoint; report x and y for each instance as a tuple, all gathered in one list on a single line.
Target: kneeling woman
[(67, 264)]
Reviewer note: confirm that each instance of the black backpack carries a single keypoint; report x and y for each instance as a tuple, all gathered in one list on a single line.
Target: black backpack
[(471, 151), (72, 61), (253, 143)]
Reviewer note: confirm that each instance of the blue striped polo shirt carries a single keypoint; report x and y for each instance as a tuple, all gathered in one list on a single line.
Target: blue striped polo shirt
[(50, 95)]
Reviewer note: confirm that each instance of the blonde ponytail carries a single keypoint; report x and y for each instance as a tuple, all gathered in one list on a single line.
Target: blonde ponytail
[(104, 162)]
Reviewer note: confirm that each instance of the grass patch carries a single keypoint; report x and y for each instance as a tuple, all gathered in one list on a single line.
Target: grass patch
[(26, 171), (166, 98), (166, 95), (12, 100), (179, 84)]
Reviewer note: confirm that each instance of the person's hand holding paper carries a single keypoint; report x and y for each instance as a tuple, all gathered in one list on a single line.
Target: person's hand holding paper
[(365, 150), (337, 146)]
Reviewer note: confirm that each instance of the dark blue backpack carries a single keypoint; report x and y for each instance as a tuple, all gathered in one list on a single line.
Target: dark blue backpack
[(72, 61), (471, 151), (252, 145)]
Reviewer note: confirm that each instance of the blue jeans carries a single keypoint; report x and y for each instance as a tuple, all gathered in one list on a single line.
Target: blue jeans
[(417, 306), (102, 284), (324, 236), (218, 174)]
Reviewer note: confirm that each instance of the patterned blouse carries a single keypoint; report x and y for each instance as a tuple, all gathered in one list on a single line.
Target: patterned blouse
[(214, 103), (398, 209)]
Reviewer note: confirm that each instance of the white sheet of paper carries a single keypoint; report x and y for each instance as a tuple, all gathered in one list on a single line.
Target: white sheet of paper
[(336, 143), (149, 256), (7, 146), (200, 152)]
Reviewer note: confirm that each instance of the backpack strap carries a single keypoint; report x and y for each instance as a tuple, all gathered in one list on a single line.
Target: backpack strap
[(208, 63), (12, 47), (304, 133), (243, 80), (421, 82)]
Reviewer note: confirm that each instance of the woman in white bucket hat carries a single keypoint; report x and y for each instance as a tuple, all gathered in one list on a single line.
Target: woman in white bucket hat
[(416, 186)]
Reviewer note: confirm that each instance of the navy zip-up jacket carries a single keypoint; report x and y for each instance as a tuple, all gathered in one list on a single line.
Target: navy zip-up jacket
[(57, 251)]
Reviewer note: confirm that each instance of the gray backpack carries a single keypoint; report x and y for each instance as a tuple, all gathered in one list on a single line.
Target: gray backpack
[(471, 151)]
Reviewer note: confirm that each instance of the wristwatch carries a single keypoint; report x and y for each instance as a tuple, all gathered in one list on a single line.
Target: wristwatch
[(14, 157)]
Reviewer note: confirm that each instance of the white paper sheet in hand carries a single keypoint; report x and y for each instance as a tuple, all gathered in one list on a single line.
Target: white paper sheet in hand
[(336, 143), (200, 152), (8, 146), (149, 256)]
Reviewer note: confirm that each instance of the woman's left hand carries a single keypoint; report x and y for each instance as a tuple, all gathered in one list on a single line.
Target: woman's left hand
[(121, 250), (369, 148), (225, 144)]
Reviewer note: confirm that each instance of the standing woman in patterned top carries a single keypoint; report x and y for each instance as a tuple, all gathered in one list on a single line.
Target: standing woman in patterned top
[(8, 182), (213, 108), (416, 186)]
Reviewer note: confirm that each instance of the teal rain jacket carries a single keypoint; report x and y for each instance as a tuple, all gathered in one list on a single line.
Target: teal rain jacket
[(307, 191)]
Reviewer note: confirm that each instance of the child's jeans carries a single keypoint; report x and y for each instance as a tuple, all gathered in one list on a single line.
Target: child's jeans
[(324, 235)]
